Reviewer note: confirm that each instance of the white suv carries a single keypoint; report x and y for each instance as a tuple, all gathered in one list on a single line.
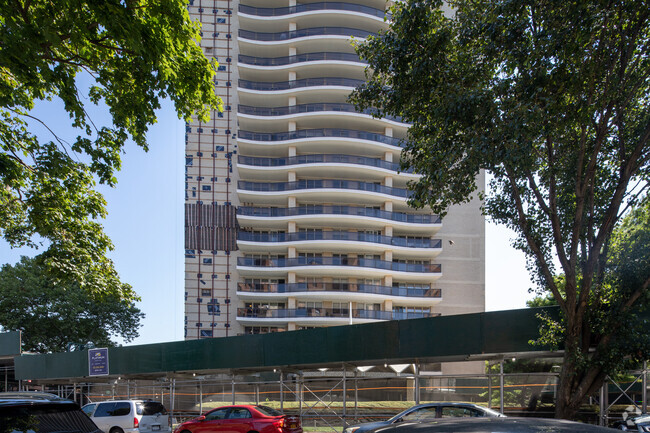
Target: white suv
[(129, 416)]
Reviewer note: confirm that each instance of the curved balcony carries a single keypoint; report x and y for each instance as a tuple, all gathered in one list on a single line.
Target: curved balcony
[(299, 84), (319, 159), (299, 58), (320, 6), (319, 133), (303, 33), (360, 262), (340, 236), (322, 184), (291, 313), (338, 210), (317, 107), (413, 292)]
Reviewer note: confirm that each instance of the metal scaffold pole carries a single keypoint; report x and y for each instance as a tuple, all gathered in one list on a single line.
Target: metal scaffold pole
[(416, 375), (645, 387), (201, 396), (345, 375), (281, 391), (501, 386), (233, 389)]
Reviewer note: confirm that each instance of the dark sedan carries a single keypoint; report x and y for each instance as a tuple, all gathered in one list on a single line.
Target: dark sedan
[(428, 411), (495, 425)]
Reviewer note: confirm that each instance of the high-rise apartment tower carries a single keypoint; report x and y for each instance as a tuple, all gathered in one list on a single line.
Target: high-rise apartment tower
[(295, 210)]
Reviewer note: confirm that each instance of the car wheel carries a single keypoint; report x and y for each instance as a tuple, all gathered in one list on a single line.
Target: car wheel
[(116, 430), (186, 431), (622, 427)]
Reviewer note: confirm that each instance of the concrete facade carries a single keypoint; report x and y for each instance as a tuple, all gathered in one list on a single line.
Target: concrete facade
[(295, 211)]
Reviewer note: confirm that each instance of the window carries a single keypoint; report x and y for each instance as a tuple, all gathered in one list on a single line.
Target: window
[(113, 409), (89, 408), (214, 308), (207, 261), (421, 414), (340, 308), (309, 304), (458, 412), (238, 413), (250, 330), (216, 414), (206, 333), (206, 292), (206, 187), (339, 259)]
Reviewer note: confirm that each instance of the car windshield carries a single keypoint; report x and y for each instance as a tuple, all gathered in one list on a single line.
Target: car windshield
[(268, 411)]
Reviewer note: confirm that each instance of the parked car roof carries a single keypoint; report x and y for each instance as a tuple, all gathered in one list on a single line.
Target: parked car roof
[(409, 414), (30, 395), (494, 425), (29, 415)]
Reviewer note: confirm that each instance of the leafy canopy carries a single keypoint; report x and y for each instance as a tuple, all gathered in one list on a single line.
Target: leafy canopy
[(136, 52), (552, 98), (53, 316)]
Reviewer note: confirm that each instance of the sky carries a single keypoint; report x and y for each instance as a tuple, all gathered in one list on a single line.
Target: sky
[(145, 223)]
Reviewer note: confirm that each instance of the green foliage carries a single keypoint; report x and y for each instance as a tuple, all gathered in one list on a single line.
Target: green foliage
[(52, 315), (552, 98), (136, 53)]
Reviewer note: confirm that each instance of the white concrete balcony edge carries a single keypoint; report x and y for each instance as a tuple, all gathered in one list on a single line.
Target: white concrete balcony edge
[(356, 167), (406, 301), (316, 192), (319, 12), (290, 41), (332, 114), (297, 65), (338, 244), (315, 89), (333, 218), (349, 271)]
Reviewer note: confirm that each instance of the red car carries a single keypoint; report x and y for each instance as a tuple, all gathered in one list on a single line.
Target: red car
[(242, 419)]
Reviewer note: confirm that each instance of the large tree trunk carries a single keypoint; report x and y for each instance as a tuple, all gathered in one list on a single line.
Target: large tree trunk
[(565, 406), (576, 382)]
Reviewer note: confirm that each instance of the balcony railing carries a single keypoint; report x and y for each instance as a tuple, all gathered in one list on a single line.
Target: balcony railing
[(362, 262), (289, 313), (306, 108), (340, 236), (337, 6), (299, 58), (411, 292), (338, 210), (320, 133), (296, 84), (322, 184), (319, 159), (314, 31)]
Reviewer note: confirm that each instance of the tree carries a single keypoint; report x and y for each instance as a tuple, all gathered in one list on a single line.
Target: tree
[(552, 99), (135, 53), (53, 316)]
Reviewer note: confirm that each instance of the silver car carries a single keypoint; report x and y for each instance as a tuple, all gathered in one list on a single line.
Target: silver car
[(129, 416)]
